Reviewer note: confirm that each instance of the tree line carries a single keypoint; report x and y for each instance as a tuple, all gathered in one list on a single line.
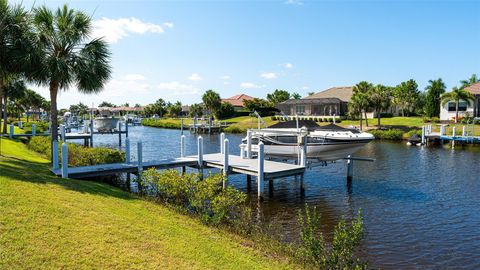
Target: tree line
[(379, 98)]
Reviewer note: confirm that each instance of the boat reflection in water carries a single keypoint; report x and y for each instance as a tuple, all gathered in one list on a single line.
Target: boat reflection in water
[(330, 142)]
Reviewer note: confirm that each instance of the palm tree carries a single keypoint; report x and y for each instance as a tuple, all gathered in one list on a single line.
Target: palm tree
[(380, 99), (456, 94), (67, 56), (15, 91), (364, 88), (357, 103), (211, 101), (13, 26), (473, 79)]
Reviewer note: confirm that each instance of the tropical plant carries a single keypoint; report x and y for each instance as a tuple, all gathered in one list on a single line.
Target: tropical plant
[(226, 110), (107, 104), (473, 79), (360, 97), (357, 105), (14, 24), (296, 95), (67, 56), (434, 90), (405, 95), (310, 93), (79, 109), (380, 99), (174, 109), (15, 91), (195, 110), (212, 101), (278, 96), (32, 101), (457, 95)]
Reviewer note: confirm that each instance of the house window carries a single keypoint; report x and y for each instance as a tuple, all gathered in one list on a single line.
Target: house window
[(300, 109), (462, 106)]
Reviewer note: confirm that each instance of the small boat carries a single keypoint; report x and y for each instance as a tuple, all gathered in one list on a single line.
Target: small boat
[(105, 122), (330, 142), (414, 140)]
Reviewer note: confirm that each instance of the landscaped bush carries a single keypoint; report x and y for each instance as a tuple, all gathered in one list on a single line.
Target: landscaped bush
[(386, 115), (274, 118), (41, 127), (330, 120), (161, 124), (204, 198), (413, 132), (234, 129), (77, 154), (389, 134)]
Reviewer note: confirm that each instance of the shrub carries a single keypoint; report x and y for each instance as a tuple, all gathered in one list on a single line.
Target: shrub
[(413, 132), (435, 119), (77, 154), (330, 120), (204, 198), (274, 118), (233, 129), (389, 134), (386, 115), (41, 127), (338, 120), (315, 251)]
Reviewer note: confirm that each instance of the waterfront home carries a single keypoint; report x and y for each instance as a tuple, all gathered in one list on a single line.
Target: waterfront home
[(237, 101), (472, 107), (333, 101)]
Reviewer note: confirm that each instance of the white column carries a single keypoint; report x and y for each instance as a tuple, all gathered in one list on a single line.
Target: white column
[(64, 160), (55, 155), (454, 132), (182, 146), (260, 175), (62, 132), (200, 151), (222, 139), (303, 160), (249, 144), (464, 131), (140, 158), (12, 130), (127, 150), (225, 162)]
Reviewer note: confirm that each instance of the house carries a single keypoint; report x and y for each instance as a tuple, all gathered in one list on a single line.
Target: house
[(333, 101), (472, 107), (237, 101)]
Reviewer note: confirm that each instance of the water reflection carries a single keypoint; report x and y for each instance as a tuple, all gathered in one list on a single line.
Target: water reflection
[(420, 204)]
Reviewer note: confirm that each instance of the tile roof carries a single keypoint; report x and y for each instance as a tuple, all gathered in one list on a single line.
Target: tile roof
[(237, 100), (474, 88), (343, 93)]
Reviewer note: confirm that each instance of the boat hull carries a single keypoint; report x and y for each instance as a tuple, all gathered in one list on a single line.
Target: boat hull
[(326, 152), (105, 124)]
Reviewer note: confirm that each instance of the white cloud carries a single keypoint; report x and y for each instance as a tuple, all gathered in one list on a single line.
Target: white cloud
[(249, 85), (134, 77), (168, 24), (195, 77), (288, 65), (294, 2), (225, 77), (268, 75), (115, 29), (305, 87), (177, 88)]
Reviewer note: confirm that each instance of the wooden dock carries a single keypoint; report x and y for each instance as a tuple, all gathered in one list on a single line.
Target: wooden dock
[(272, 169)]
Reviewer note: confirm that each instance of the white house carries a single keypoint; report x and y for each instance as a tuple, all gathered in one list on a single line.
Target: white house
[(472, 108)]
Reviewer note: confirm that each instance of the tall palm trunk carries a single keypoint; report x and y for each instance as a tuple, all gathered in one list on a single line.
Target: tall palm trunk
[(378, 117), (361, 120), (4, 113), (53, 113), (366, 119)]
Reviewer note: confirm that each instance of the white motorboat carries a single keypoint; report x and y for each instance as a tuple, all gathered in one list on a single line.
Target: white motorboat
[(105, 124), (330, 142)]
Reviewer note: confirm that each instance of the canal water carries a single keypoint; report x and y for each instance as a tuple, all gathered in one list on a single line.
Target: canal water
[(421, 205)]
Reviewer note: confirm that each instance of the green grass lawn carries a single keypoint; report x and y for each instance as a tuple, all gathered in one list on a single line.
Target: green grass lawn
[(52, 223)]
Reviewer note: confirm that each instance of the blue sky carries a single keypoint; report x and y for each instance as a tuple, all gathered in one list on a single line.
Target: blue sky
[(176, 50)]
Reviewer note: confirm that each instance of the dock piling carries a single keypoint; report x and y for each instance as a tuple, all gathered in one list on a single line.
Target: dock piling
[(350, 169), (249, 144), (140, 158), (260, 176), (12, 131), (62, 132), (225, 161), (182, 146), (222, 140), (91, 131), (181, 126), (34, 129), (200, 155), (423, 135), (127, 150), (464, 131), (64, 160), (20, 124), (55, 155)]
